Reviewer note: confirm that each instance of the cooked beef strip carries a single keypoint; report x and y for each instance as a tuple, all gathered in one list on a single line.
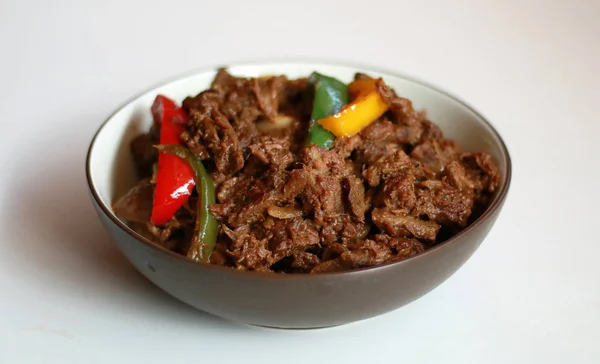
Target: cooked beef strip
[(383, 195), (144, 154), (136, 204)]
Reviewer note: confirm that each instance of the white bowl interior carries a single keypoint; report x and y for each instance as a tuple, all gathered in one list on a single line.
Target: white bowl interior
[(111, 165)]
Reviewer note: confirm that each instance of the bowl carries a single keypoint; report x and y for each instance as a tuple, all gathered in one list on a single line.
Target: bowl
[(290, 300)]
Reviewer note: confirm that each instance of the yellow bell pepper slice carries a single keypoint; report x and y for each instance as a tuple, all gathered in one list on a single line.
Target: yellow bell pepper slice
[(354, 117)]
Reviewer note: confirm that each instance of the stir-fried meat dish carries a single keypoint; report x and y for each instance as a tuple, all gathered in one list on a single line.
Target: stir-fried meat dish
[(302, 175)]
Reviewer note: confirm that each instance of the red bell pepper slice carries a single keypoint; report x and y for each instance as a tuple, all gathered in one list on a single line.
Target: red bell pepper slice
[(175, 177), (161, 103)]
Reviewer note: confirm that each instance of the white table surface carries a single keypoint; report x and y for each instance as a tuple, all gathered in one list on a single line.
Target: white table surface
[(530, 294)]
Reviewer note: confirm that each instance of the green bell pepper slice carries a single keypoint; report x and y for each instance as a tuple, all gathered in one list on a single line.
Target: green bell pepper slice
[(330, 96), (206, 228)]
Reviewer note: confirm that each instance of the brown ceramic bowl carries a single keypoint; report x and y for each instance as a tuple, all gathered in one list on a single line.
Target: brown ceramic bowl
[(293, 300)]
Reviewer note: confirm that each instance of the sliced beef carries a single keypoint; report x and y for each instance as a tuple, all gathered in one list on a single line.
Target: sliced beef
[(401, 108), (357, 201), (136, 204), (144, 154), (244, 200), (223, 121), (388, 166), (245, 207), (443, 203), (192, 137), (294, 185), (224, 81), (267, 91), (248, 249), (482, 170), (398, 192), (329, 266), (322, 195), (369, 152), (434, 155), (456, 174), (366, 253), (343, 228), (304, 262), (230, 188), (273, 152), (292, 236), (401, 247), (384, 131), (398, 223), (165, 232), (319, 160), (217, 135), (344, 146), (239, 104)]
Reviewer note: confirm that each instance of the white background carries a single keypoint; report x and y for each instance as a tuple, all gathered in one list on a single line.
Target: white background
[(531, 294)]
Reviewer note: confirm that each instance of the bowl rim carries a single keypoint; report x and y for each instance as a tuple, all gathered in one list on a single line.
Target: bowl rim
[(496, 203)]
